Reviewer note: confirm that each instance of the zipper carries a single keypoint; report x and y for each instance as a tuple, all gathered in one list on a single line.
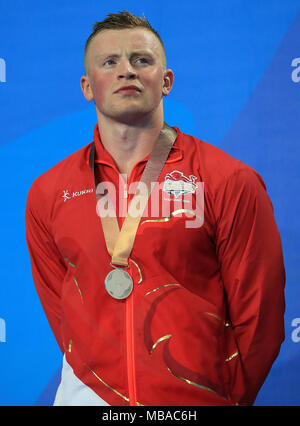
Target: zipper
[(125, 195), (129, 321), (130, 350), (129, 314)]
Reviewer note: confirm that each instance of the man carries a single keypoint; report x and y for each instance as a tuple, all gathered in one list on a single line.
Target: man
[(148, 307)]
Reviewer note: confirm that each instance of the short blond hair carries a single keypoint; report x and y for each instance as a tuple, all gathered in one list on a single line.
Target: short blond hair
[(120, 21)]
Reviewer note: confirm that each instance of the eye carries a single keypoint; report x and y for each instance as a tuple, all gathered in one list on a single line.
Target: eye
[(109, 62), (142, 60)]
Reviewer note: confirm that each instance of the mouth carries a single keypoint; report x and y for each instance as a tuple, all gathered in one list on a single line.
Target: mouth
[(128, 90)]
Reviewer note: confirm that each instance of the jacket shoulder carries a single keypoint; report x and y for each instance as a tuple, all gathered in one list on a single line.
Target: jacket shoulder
[(64, 172), (214, 164)]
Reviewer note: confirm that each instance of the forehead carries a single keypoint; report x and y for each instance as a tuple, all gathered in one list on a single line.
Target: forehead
[(113, 41)]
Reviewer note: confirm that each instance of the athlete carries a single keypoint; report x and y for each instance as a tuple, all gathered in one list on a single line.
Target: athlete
[(155, 255)]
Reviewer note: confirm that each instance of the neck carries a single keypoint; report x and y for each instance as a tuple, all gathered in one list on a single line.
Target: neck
[(128, 143)]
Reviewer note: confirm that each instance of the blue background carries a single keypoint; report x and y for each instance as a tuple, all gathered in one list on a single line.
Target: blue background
[(233, 88)]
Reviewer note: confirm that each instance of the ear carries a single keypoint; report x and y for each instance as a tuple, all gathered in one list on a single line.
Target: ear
[(168, 82), (86, 88)]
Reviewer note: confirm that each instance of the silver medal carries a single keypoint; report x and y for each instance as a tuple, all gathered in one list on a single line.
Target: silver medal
[(118, 283)]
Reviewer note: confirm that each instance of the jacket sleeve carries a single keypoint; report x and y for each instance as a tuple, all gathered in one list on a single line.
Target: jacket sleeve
[(251, 262), (47, 265)]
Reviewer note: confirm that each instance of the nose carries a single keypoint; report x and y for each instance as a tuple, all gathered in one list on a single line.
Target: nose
[(126, 70)]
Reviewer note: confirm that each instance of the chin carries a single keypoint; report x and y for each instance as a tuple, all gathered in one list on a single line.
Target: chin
[(131, 116)]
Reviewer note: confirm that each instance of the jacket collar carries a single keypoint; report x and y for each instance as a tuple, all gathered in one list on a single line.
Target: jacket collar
[(102, 156)]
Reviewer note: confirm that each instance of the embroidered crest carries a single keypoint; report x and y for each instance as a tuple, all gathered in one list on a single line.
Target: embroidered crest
[(177, 184)]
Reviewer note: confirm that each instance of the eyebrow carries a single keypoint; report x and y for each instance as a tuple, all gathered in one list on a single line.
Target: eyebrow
[(117, 55)]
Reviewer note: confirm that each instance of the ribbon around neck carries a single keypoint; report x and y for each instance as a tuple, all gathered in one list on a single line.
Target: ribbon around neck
[(119, 242)]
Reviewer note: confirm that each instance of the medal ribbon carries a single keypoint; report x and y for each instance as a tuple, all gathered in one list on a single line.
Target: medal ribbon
[(119, 243)]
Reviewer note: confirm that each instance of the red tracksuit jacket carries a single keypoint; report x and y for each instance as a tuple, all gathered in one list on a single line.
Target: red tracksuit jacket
[(204, 322)]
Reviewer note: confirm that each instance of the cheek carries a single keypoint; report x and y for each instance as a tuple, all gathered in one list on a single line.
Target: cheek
[(100, 85), (154, 82)]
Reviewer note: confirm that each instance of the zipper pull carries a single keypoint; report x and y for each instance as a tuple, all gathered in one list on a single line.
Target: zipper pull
[(123, 182), (126, 191)]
